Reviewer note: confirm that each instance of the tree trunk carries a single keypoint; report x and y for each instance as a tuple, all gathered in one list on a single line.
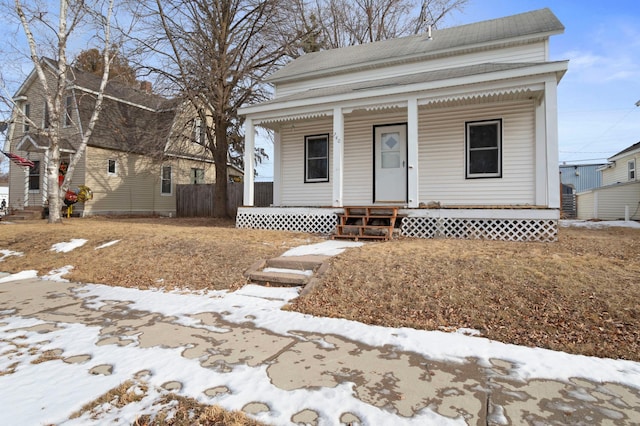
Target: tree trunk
[(53, 191), (220, 159)]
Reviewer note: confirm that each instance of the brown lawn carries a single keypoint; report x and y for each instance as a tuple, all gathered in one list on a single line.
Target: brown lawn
[(580, 295)]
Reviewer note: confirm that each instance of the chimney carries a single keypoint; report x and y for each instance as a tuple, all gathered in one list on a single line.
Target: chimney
[(145, 86)]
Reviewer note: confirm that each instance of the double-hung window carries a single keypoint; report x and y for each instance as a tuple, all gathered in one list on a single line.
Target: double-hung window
[(197, 176), (316, 158), (631, 168), (46, 122), (483, 141), (34, 177), (111, 167), (166, 184)]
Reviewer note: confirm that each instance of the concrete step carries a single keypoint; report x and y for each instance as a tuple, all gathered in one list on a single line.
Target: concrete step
[(302, 263), (278, 278)]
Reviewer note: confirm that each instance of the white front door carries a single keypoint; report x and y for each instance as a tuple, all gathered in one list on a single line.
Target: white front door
[(390, 164)]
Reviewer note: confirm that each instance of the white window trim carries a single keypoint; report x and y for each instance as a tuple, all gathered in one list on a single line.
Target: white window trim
[(36, 191), (306, 159), (170, 193), (26, 111), (631, 168), (115, 167), (46, 114), (467, 162)]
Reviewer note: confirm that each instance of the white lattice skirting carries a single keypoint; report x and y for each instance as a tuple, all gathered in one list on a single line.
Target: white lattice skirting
[(542, 230), (315, 221), (506, 225)]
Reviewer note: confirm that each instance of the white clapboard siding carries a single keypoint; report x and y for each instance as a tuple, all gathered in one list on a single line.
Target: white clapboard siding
[(442, 156), (620, 171), (533, 52), (610, 202), (294, 190)]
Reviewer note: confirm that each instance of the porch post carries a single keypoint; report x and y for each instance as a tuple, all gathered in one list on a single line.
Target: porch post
[(540, 155), (412, 152), (249, 147), (338, 156), (277, 175), (551, 112)]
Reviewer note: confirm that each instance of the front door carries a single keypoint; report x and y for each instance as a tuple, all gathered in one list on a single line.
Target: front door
[(390, 164)]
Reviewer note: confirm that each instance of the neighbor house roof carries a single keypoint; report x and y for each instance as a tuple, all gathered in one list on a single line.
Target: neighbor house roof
[(514, 29), (628, 150)]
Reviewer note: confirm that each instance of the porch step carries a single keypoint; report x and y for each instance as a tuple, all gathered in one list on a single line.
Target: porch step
[(28, 213), (367, 222), (286, 270)]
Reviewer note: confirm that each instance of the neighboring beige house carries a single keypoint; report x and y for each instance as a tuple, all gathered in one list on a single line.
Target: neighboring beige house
[(457, 129), (619, 196), (142, 147)]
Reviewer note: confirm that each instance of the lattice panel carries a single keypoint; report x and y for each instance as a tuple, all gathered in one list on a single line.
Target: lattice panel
[(542, 230), (302, 222)]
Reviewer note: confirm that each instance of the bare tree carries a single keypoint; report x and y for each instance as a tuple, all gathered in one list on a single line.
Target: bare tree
[(215, 54), (48, 33), (338, 23)]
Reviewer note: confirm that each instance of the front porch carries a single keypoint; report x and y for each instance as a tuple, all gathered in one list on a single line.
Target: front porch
[(507, 223)]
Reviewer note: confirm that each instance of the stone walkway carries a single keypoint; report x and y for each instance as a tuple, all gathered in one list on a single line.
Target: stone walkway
[(345, 381)]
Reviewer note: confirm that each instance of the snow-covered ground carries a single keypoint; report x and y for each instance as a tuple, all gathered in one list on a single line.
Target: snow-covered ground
[(50, 392)]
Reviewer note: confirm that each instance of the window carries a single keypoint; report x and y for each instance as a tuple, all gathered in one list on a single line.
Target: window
[(27, 115), (111, 167), (483, 149), (199, 132), (631, 167), (46, 121), (166, 180), (316, 158), (34, 176), (197, 176), (68, 111)]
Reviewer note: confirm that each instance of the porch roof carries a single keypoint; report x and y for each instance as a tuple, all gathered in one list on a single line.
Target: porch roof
[(477, 77)]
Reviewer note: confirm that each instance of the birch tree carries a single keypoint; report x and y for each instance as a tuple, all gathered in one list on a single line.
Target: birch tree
[(49, 34)]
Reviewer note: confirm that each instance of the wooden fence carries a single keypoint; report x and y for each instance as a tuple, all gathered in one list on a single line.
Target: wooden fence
[(198, 200)]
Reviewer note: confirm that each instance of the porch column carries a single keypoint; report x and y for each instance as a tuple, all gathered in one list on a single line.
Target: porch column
[(540, 155), (412, 152), (338, 156), (277, 174), (249, 147), (551, 112)]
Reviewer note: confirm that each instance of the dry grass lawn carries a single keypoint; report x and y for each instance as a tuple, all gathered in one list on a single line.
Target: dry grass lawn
[(580, 295)]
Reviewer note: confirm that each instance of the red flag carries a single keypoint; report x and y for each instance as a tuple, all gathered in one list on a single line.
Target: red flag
[(19, 160)]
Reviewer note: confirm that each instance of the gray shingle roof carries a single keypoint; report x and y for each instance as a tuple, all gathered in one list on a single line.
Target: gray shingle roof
[(628, 149), (535, 24)]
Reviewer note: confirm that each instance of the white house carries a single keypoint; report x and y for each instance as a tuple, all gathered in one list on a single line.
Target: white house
[(619, 195), (457, 129)]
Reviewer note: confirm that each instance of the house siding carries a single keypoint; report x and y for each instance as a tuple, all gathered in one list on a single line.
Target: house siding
[(608, 203), (135, 188), (295, 192), (619, 172), (532, 52), (442, 156)]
